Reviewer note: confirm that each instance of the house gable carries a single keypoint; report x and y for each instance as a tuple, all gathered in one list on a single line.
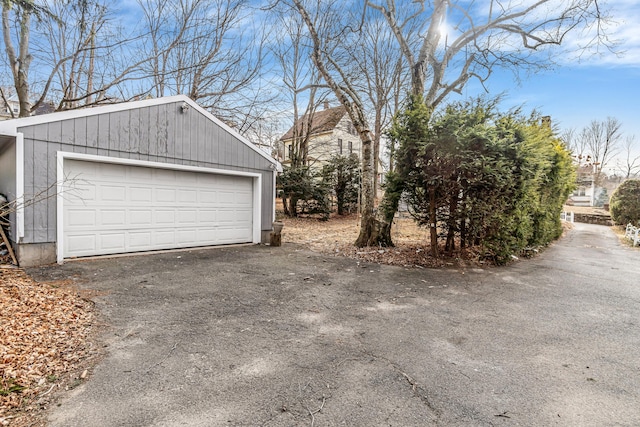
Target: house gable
[(173, 131), (332, 133)]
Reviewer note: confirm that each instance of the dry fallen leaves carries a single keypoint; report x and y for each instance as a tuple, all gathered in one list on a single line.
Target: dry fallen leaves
[(43, 334), (337, 235)]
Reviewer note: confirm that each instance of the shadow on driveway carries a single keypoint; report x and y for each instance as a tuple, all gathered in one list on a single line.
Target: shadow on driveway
[(260, 336)]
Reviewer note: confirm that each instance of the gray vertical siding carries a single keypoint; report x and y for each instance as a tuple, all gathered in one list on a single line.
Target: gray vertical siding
[(160, 133), (8, 184)]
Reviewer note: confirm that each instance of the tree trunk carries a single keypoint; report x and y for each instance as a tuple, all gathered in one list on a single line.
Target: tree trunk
[(433, 224), (377, 231), (19, 62), (368, 220), (451, 223)]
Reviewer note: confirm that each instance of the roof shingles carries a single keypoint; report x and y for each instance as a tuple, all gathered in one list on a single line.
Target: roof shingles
[(321, 121)]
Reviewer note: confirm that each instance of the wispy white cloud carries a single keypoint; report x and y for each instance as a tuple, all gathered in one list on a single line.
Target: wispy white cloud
[(622, 31)]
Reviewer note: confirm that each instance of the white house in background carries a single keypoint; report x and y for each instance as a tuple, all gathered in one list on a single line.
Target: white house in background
[(583, 195), (329, 132), (10, 108), (587, 193)]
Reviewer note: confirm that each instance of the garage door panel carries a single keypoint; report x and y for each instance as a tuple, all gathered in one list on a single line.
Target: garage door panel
[(140, 194), (233, 216), (207, 234), (145, 174), (113, 217), (188, 218), (166, 195), (188, 196), (207, 216), (231, 234), (140, 240), (142, 217), (82, 243), (207, 196), (110, 171), (118, 209), (165, 238), (113, 193), (82, 217), (165, 217), (111, 241), (81, 190), (164, 176), (186, 236)]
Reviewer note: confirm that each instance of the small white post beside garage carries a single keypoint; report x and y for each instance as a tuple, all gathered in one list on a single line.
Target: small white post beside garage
[(132, 177)]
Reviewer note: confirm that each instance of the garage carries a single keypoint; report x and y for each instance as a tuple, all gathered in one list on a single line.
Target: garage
[(132, 177), (114, 208)]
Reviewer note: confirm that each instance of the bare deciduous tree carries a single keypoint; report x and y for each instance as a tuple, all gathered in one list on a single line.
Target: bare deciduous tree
[(602, 139), (327, 50), (629, 164), (460, 42), (73, 56), (577, 146), (457, 42), (208, 50), (302, 82), (380, 74)]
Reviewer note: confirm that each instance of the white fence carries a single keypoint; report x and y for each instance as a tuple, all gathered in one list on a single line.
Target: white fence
[(566, 216), (633, 233)]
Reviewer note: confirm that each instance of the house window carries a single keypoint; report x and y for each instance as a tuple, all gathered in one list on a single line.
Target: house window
[(15, 110), (580, 191), (339, 146), (290, 151), (350, 147)]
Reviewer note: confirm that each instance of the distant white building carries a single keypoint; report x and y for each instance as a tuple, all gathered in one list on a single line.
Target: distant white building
[(11, 105), (328, 132)]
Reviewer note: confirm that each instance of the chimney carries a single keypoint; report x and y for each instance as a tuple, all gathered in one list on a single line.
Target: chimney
[(326, 105)]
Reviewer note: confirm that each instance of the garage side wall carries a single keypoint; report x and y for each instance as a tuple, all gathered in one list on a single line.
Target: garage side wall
[(8, 183), (159, 133)]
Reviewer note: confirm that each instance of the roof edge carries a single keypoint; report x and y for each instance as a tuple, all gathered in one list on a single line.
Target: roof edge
[(10, 127)]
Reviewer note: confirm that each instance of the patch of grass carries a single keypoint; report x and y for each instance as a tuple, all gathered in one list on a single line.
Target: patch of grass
[(11, 387)]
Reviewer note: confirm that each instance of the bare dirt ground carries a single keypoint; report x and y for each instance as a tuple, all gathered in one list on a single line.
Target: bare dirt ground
[(336, 237)]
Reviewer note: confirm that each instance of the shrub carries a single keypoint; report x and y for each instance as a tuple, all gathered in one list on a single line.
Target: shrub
[(625, 203), (342, 174), (303, 193), (478, 177)]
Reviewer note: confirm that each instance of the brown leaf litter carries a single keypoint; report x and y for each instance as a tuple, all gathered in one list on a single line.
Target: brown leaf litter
[(336, 237), (44, 330)]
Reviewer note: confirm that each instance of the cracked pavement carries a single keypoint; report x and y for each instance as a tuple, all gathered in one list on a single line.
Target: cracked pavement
[(260, 336)]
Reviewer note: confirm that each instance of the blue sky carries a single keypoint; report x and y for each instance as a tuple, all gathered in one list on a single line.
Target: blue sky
[(574, 93)]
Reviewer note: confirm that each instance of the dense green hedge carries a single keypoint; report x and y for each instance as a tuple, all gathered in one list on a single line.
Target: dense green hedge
[(490, 179), (625, 203)]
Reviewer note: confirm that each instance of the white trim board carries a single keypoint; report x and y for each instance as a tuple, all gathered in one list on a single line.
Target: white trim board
[(10, 127), (19, 187), (60, 176)]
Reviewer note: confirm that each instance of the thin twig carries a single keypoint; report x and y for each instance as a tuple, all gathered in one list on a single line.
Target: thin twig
[(312, 413), (163, 359), (47, 392)]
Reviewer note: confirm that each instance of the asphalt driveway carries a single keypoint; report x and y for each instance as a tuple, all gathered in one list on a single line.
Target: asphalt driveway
[(259, 336)]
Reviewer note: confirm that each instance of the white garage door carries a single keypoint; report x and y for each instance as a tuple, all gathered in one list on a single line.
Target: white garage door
[(111, 208)]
